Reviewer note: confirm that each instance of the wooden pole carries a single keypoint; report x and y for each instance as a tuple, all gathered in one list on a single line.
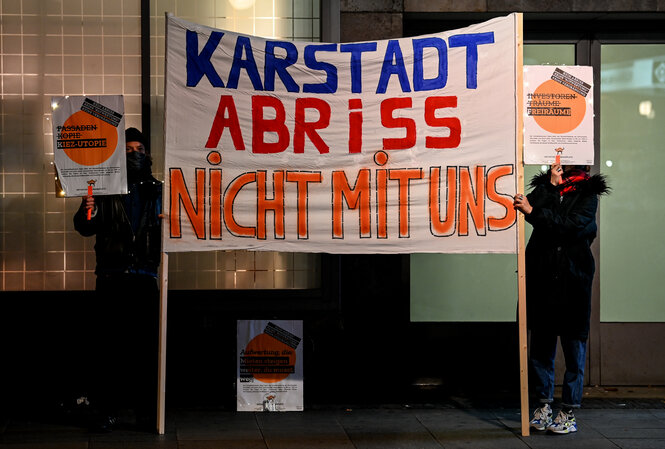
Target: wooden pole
[(521, 279), (163, 294), (161, 370)]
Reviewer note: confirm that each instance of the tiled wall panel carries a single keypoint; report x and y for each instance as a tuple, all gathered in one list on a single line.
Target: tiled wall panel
[(92, 47), (48, 48)]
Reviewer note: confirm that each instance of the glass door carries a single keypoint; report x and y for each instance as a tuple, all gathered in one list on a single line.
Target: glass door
[(632, 155)]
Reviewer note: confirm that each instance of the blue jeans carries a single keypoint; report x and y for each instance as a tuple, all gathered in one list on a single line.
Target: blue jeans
[(543, 352)]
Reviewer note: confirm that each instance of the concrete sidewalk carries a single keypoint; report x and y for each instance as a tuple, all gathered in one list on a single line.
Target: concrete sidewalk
[(345, 428)]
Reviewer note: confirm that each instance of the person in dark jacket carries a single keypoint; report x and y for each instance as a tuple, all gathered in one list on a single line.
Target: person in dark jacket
[(559, 274), (128, 250)]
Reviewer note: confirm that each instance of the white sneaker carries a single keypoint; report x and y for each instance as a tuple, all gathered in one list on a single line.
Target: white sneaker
[(563, 423), (542, 417)]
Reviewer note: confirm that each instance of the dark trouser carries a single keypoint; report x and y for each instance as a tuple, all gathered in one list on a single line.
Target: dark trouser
[(542, 354), (126, 345)]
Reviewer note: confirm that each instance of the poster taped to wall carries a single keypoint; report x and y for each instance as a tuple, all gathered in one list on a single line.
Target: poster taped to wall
[(391, 146), (270, 366), (89, 144), (558, 122)]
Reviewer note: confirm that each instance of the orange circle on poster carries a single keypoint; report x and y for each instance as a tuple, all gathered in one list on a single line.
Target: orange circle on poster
[(282, 358), (562, 117), (87, 140)]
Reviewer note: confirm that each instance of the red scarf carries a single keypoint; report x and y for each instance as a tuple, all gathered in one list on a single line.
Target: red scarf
[(571, 180)]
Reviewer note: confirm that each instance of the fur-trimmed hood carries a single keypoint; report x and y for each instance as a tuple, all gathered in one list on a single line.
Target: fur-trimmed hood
[(596, 184)]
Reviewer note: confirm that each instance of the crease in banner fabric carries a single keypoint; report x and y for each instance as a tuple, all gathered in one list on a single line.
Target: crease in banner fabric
[(392, 146)]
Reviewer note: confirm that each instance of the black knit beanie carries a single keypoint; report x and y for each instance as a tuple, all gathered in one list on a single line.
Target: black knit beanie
[(134, 135)]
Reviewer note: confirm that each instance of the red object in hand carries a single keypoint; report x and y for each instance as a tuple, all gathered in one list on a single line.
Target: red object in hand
[(557, 161), (90, 210)]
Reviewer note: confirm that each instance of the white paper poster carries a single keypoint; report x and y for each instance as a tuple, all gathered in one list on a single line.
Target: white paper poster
[(391, 146), (270, 366), (89, 144), (558, 122)]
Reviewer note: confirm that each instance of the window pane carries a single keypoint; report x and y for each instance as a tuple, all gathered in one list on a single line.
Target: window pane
[(632, 252)]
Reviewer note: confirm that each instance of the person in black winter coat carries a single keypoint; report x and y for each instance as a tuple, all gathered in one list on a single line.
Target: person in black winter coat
[(128, 250), (559, 273)]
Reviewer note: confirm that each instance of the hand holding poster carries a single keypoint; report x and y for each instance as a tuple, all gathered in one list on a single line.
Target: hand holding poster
[(89, 144), (401, 145), (558, 123)]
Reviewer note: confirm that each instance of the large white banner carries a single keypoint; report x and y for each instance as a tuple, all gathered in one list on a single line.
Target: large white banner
[(270, 366), (89, 144), (394, 146)]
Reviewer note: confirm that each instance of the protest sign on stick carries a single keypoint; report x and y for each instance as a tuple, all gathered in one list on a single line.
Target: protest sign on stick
[(89, 144), (558, 124)]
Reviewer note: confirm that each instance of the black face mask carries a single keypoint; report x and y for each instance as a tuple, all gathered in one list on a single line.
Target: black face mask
[(136, 162)]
